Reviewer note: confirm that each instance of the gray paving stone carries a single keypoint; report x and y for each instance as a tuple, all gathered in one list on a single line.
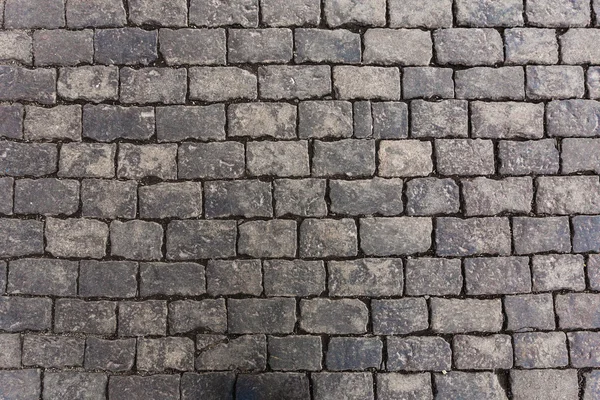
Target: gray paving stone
[(76, 237), (342, 385), (433, 276), (583, 348), (3, 277), (92, 83), (268, 239), (234, 277), (242, 12), (292, 353), (571, 50), (390, 120), (17, 46), (489, 13), (431, 196), (592, 385), (395, 236), (34, 14), (586, 231), (473, 236), (578, 310), (576, 117), (158, 12), (342, 12), (192, 46), (90, 385), (38, 311), (87, 317), (24, 384), (420, 14), (530, 46), (367, 277), (192, 240), (219, 385), (554, 82), (488, 352), (320, 119), (529, 312), (498, 275), (106, 123), (558, 13), (136, 240), (397, 47), (355, 354), (301, 197), (529, 157), (418, 353), (126, 46), (6, 196), (578, 155), (406, 158), (447, 118), (593, 271), (18, 83), (540, 235), (147, 160), (325, 238), (87, 160), (247, 198), (427, 82), (245, 353), (294, 278), (283, 159), (469, 386), (95, 13), (108, 198), (154, 85), (469, 47), (171, 200), (409, 386), (341, 316), (276, 120), (135, 387), (53, 351), (11, 121), (145, 318), (366, 197), (558, 272), (464, 157), (172, 279), (320, 45), (42, 277), (593, 82), (507, 120), (483, 196), (399, 316), (211, 160), (21, 237), (293, 386), (11, 350), (484, 83), (168, 353), (60, 122), (540, 349), (301, 82), (548, 384), (466, 315), (343, 158), (568, 195), (381, 83), (282, 13), (47, 196), (108, 278), (254, 46), (220, 84)]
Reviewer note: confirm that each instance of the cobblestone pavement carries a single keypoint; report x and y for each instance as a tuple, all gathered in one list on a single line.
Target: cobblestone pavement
[(300, 199)]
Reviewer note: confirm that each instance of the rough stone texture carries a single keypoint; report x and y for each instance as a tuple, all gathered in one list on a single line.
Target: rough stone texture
[(390, 120), (464, 157), (344, 316), (461, 46), (538, 235), (425, 353), (557, 272), (529, 157), (489, 13), (558, 13), (366, 197), (483, 196), (489, 352), (406, 158), (573, 118), (432, 196), (170, 279), (402, 316), (381, 83), (203, 123), (554, 82), (76, 237), (410, 386), (462, 237), (91, 83), (294, 81), (484, 83), (420, 14), (540, 349), (544, 383), (469, 386), (530, 46), (341, 12), (343, 385), (427, 82), (295, 353), (221, 83), (293, 278), (319, 45), (347, 157), (395, 236), (446, 118), (192, 46), (466, 315), (397, 47), (254, 46), (276, 120), (497, 275), (529, 312), (431, 276)]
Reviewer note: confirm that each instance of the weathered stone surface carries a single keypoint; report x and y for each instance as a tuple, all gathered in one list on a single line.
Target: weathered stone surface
[(483, 196), (48, 196), (572, 195), (341, 12), (395, 236), (192, 46), (243, 12), (420, 14), (95, 13), (293, 386), (11, 121), (87, 160), (282, 13), (293, 278), (219, 385), (367, 277), (154, 85), (489, 13), (108, 198), (431, 196), (461, 46), (136, 240), (38, 310), (268, 239), (158, 12), (431, 276), (73, 385), (277, 158), (406, 158), (328, 238), (578, 155), (171, 200), (339, 385), (246, 353), (53, 351), (172, 279), (105, 123), (143, 318), (91, 83), (89, 317), (557, 272), (529, 157), (555, 82), (221, 84), (290, 353), (466, 315), (573, 118), (234, 277), (276, 120), (247, 198), (497, 275), (410, 386), (529, 312), (34, 14), (381, 83), (319, 119), (366, 197), (540, 349), (556, 13), (24, 384), (539, 235), (76, 237), (159, 354), (578, 310), (135, 387), (489, 352), (343, 316), (356, 354), (346, 157), (484, 83), (17, 83), (530, 46), (447, 118), (147, 160), (42, 277), (108, 278), (419, 353), (191, 240), (427, 82), (127, 46), (469, 386), (507, 120), (547, 384), (464, 157), (461, 237), (583, 347), (254, 46), (210, 160), (301, 197), (320, 45), (294, 81), (400, 316), (397, 47), (11, 350), (390, 120)]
